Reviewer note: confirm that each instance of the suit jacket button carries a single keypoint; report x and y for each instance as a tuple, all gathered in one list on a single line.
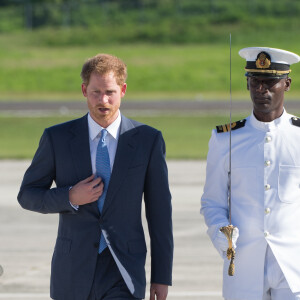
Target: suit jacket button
[(96, 245)]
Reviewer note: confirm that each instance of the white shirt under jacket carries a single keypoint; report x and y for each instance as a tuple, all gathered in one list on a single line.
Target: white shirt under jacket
[(112, 143), (265, 201)]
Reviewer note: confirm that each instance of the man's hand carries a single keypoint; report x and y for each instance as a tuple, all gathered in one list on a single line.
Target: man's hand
[(86, 191), (223, 242), (158, 290)]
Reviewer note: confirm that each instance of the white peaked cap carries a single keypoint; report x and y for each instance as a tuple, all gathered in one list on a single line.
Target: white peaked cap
[(268, 62), (277, 55)]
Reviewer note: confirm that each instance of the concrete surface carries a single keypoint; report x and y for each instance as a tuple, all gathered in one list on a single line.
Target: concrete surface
[(27, 239)]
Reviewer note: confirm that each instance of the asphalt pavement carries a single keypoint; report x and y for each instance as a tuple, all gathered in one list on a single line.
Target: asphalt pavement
[(27, 239)]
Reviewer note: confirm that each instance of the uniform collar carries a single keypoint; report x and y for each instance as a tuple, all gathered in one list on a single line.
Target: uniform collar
[(95, 129), (269, 126)]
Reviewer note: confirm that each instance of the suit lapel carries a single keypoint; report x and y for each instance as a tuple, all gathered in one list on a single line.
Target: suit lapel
[(80, 148), (125, 154)]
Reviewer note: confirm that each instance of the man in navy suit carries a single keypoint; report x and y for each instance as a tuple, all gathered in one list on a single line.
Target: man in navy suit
[(67, 156)]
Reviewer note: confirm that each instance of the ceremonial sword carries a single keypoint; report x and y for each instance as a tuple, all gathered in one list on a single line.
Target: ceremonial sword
[(228, 230)]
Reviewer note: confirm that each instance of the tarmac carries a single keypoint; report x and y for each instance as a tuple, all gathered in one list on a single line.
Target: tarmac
[(27, 239)]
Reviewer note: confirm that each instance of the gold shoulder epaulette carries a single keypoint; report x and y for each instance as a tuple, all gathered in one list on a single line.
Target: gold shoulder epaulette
[(234, 126), (296, 121)]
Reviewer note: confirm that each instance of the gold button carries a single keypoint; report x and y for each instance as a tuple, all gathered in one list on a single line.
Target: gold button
[(267, 210), (268, 139), (267, 187), (267, 163)]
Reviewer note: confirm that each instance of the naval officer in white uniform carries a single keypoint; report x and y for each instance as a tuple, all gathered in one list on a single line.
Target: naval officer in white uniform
[(265, 186)]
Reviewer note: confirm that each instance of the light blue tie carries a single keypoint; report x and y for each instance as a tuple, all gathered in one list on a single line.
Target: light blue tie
[(103, 170)]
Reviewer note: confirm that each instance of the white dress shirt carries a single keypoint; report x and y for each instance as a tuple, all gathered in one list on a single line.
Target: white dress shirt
[(112, 143), (111, 139)]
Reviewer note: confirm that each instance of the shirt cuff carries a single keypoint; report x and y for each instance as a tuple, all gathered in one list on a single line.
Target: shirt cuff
[(76, 207)]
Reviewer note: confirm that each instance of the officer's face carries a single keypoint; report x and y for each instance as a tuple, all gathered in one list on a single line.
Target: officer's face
[(267, 95)]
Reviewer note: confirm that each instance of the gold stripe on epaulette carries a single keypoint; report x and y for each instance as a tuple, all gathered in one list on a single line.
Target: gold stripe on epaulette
[(234, 126)]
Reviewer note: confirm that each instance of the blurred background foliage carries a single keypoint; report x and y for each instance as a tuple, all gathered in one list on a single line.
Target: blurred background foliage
[(155, 21)]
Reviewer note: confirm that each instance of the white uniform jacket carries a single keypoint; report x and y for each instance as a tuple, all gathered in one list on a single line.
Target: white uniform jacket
[(265, 200)]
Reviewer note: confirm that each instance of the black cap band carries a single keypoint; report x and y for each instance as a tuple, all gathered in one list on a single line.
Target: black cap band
[(273, 66)]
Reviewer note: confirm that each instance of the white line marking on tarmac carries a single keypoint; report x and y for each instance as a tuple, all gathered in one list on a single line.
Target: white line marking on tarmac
[(171, 294)]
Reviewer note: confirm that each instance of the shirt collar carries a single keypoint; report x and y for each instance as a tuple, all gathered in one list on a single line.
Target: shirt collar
[(95, 129), (268, 126)]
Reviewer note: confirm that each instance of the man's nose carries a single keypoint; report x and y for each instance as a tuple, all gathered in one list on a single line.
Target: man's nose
[(103, 98), (261, 86)]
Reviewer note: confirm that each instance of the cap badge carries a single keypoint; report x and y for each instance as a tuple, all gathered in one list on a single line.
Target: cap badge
[(263, 61)]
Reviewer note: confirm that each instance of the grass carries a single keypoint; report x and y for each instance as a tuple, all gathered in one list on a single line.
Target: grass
[(186, 137), (200, 71), (45, 65)]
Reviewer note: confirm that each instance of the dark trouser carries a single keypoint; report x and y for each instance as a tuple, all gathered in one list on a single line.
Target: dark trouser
[(108, 282)]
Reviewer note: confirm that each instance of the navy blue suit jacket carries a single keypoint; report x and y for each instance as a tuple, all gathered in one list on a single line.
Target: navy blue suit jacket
[(63, 156)]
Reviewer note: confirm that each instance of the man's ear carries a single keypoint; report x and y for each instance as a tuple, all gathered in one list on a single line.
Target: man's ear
[(123, 89), (83, 89), (248, 83), (288, 83)]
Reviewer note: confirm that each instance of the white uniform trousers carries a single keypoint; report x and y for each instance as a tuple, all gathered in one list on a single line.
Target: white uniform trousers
[(275, 284)]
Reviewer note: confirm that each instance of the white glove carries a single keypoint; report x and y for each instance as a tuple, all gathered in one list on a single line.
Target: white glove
[(221, 242)]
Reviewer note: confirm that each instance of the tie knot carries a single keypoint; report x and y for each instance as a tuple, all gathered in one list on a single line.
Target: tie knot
[(103, 135)]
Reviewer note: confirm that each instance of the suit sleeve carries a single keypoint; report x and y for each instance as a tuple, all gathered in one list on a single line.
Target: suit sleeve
[(36, 193), (159, 214)]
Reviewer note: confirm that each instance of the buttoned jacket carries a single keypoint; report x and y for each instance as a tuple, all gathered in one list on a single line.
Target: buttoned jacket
[(265, 189), (139, 171)]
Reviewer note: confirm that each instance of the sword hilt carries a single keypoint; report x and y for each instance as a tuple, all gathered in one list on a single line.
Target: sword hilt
[(228, 232)]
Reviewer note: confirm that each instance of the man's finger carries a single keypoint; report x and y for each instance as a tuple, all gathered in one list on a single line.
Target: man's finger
[(97, 193), (95, 182), (98, 185), (88, 179), (161, 297), (94, 197), (152, 294), (160, 291)]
